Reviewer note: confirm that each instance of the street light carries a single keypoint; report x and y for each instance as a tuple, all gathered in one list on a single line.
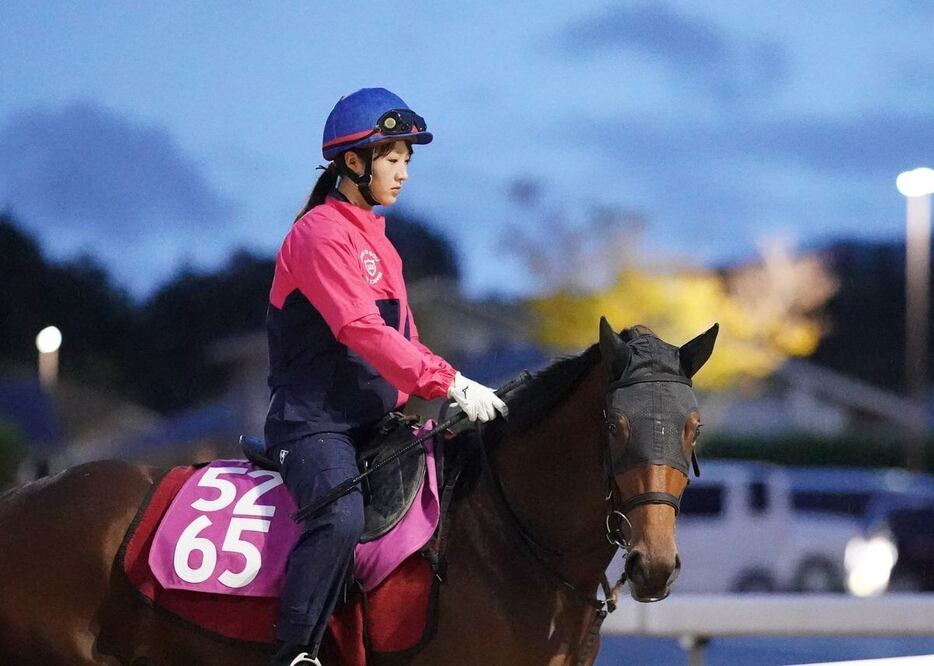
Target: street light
[(916, 183), (917, 186), (48, 342)]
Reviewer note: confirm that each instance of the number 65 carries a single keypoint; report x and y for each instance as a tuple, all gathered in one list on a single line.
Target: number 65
[(190, 542)]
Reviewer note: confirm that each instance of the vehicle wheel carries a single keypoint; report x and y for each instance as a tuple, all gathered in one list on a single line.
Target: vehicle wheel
[(818, 575), (755, 581)]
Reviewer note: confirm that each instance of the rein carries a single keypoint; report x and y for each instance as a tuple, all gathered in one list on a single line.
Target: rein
[(534, 547), (617, 537)]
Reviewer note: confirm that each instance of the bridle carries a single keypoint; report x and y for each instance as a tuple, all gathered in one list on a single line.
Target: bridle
[(618, 532)]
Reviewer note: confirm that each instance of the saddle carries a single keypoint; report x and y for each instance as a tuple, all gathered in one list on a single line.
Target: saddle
[(390, 612), (388, 492)]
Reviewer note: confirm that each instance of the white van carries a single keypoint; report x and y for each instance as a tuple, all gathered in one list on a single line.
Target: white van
[(737, 532)]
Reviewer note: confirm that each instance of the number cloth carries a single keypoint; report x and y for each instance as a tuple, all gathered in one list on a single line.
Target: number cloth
[(396, 612), (227, 531), (343, 345)]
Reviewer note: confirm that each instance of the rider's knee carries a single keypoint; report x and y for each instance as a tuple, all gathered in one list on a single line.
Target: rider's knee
[(348, 518)]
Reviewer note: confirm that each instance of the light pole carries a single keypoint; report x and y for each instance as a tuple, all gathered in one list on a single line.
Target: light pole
[(48, 342), (917, 186)]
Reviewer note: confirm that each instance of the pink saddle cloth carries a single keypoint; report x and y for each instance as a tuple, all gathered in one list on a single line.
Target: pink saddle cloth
[(229, 531)]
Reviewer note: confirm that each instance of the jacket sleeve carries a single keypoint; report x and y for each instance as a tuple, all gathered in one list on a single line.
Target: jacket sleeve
[(328, 273), (407, 365)]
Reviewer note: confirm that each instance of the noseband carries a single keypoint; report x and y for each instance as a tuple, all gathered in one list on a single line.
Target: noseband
[(619, 535)]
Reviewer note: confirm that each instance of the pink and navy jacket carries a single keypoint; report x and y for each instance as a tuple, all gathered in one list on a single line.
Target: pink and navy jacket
[(343, 347)]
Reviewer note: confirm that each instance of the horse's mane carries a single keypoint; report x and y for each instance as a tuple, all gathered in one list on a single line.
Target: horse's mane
[(530, 403)]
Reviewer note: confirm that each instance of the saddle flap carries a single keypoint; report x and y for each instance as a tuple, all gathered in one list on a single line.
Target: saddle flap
[(390, 490)]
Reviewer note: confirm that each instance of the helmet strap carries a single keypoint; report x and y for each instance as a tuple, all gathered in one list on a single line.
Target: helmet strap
[(364, 180)]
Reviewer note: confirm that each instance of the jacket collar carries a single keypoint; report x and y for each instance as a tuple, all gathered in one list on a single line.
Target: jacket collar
[(365, 220)]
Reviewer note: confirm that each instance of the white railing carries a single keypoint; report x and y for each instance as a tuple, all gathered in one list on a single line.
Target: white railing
[(694, 619)]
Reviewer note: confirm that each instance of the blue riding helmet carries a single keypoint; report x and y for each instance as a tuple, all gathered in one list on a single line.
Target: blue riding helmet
[(369, 116)]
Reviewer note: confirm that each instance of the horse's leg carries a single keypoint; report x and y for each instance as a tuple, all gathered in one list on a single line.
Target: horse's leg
[(58, 540)]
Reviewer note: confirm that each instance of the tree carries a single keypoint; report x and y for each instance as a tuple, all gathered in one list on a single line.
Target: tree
[(23, 272), (11, 453), (766, 311), (425, 253), (180, 323), (95, 316), (866, 337)]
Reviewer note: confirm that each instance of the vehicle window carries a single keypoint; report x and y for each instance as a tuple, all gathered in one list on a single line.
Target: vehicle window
[(758, 497), (846, 503), (703, 500)]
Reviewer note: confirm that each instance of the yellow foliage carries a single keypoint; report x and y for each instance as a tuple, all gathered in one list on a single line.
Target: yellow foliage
[(756, 335)]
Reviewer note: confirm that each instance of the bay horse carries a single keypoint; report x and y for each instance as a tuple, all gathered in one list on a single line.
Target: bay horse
[(595, 454)]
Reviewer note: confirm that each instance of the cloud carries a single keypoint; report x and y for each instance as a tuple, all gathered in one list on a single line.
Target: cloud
[(879, 144), (651, 29), (82, 164), (689, 47), (719, 184), (870, 145)]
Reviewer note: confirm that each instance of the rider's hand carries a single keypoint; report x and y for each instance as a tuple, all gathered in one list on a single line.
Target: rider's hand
[(477, 401)]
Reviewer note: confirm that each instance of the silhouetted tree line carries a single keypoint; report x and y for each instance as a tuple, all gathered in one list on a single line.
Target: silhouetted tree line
[(155, 352), (866, 316)]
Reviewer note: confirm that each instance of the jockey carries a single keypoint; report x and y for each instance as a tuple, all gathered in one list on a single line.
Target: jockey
[(344, 349)]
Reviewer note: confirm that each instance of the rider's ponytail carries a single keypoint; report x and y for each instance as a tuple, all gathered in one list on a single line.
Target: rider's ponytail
[(327, 181)]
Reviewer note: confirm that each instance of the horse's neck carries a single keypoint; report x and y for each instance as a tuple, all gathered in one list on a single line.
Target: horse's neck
[(552, 476), (554, 479)]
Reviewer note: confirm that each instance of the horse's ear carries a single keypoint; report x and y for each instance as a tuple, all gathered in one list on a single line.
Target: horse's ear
[(695, 353), (614, 351)]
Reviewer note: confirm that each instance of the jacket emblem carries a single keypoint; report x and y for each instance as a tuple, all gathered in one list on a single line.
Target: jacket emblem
[(371, 266)]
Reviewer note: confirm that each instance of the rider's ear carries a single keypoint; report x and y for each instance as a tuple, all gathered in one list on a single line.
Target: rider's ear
[(354, 162), (695, 353), (614, 351)]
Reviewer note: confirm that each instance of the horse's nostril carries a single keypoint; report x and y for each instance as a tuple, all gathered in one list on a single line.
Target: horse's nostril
[(634, 565), (677, 570)]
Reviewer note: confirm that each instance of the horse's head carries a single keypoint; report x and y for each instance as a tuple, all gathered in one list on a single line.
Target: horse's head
[(652, 423)]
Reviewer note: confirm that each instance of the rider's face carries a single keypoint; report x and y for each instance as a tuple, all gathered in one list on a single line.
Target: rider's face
[(390, 171)]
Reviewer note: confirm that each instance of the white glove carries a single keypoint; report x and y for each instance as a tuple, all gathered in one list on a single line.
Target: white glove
[(477, 401)]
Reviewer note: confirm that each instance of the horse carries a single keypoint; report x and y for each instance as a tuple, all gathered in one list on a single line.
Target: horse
[(595, 455)]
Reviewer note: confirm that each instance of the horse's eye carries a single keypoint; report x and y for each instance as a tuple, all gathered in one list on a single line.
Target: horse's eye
[(697, 430), (613, 428)]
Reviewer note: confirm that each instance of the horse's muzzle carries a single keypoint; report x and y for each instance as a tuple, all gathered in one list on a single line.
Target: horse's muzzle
[(650, 580)]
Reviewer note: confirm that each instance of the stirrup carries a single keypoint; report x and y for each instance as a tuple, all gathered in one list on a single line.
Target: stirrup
[(304, 658)]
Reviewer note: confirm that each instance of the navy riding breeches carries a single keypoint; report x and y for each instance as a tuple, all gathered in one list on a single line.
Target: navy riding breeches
[(318, 564)]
